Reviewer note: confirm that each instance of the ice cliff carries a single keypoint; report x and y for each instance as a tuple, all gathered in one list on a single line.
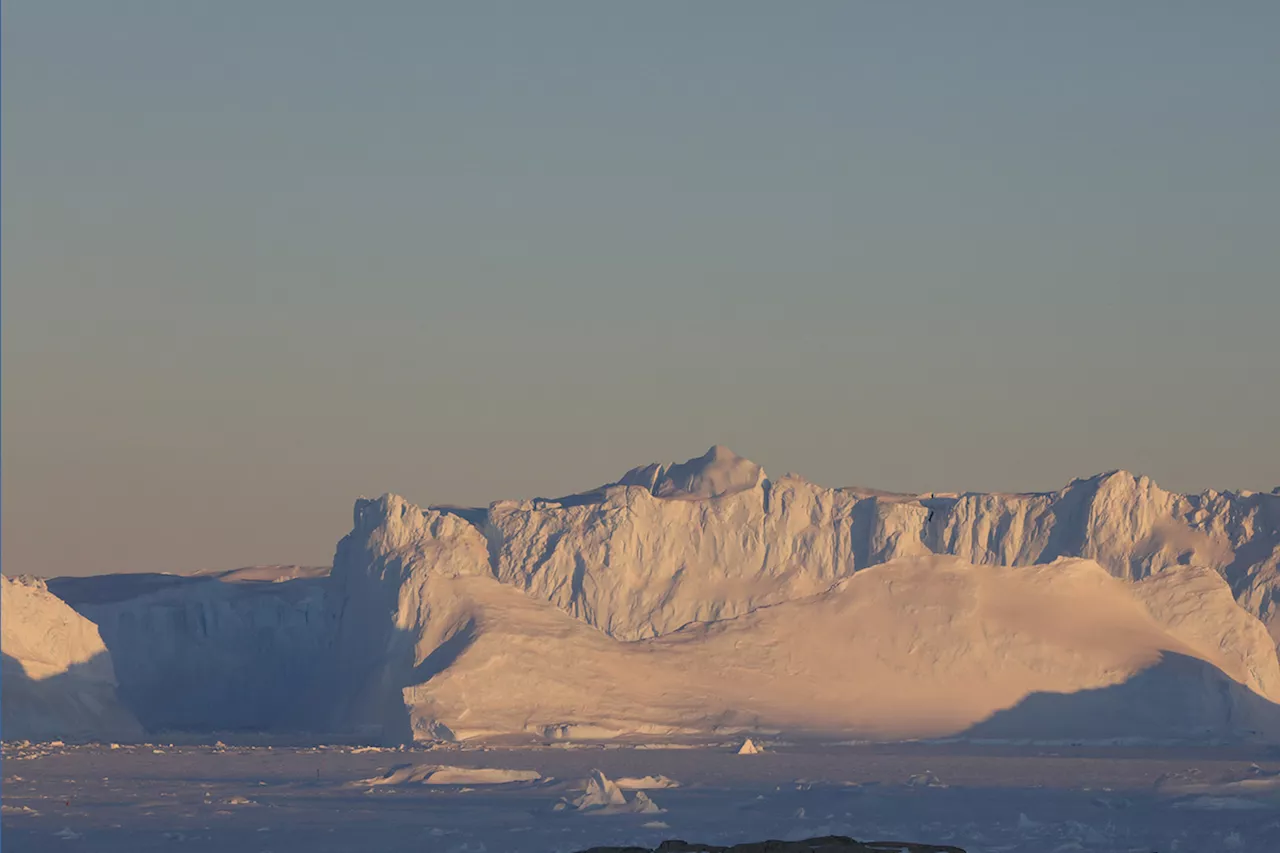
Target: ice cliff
[(543, 615), (714, 538), (917, 647), (670, 558), (233, 652)]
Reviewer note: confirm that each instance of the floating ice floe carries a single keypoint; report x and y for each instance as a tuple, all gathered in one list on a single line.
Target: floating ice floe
[(435, 774), (600, 795)]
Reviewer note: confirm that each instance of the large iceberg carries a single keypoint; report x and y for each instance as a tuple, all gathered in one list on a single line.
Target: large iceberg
[(707, 597)]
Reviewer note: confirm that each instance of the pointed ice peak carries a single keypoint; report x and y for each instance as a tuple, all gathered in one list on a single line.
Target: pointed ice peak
[(643, 475), (389, 523), (1117, 477), (1104, 476), (600, 792), (1123, 481), (717, 452), (749, 748), (369, 513), (716, 473)]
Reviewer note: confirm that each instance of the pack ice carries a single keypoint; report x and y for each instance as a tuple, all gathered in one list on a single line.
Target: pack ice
[(705, 597)]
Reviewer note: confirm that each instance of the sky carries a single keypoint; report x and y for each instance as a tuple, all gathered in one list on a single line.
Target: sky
[(260, 259)]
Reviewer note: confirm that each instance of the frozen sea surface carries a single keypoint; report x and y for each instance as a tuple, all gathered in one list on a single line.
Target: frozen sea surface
[(984, 798)]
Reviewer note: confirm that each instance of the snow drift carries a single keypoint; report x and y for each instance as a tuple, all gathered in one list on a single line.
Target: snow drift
[(58, 677)]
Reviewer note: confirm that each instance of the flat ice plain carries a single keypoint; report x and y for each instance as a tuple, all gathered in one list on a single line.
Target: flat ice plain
[(984, 797)]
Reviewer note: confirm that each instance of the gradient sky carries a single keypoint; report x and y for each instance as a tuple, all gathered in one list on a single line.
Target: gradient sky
[(262, 258)]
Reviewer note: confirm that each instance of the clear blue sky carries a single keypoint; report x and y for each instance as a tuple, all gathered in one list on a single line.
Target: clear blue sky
[(262, 258)]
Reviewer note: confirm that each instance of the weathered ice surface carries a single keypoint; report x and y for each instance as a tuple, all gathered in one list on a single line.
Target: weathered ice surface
[(397, 622), (714, 537), (58, 677), (432, 645)]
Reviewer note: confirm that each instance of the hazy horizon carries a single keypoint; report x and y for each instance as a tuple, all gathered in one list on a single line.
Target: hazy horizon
[(261, 260), (341, 530)]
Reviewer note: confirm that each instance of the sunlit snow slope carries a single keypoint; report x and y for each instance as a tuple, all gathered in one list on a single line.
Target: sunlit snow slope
[(58, 677)]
